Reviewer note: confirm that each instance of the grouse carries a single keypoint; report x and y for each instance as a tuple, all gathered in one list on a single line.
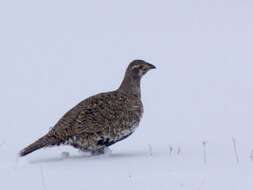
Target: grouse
[(101, 120)]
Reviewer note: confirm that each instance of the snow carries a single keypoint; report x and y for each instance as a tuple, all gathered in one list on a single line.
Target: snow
[(196, 132)]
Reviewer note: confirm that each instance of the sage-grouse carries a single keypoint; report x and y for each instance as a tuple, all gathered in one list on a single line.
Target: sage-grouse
[(101, 120)]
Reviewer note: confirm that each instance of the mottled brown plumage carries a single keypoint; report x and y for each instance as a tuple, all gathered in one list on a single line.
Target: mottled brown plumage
[(101, 120)]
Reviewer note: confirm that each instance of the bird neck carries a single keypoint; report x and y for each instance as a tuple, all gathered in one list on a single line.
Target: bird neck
[(131, 85)]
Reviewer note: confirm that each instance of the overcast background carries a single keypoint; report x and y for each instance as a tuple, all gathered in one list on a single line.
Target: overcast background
[(54, 54)]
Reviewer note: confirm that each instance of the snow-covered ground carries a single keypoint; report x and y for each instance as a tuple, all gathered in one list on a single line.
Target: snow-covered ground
[(197, 130)]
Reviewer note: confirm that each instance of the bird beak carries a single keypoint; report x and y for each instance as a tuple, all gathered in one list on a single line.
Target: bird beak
[(150, 66)]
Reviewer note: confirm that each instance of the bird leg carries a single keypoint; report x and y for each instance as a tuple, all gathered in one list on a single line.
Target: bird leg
[(103, 150), (98, 152)]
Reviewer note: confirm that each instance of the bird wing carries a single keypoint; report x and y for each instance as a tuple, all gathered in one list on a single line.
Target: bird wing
[(92, 115), (101, 111)]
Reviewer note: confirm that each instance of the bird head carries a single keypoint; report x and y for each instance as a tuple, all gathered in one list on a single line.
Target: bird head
[(139, 68), (135, 71)]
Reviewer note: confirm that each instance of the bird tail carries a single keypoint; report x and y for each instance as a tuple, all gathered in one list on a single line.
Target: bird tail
[(43, 142)]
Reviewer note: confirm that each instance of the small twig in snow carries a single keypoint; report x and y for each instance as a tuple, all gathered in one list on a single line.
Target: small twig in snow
[(235, 150), (150, 150), (171, 150), (204, 143), (42, 178), (251, 155), (179, 150)]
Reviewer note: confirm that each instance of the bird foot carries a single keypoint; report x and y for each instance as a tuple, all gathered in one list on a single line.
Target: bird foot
[(65, 155), (84, 153), (103, 151)]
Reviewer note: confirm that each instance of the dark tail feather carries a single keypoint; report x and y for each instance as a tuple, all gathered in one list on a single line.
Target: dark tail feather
[(44, 141)]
